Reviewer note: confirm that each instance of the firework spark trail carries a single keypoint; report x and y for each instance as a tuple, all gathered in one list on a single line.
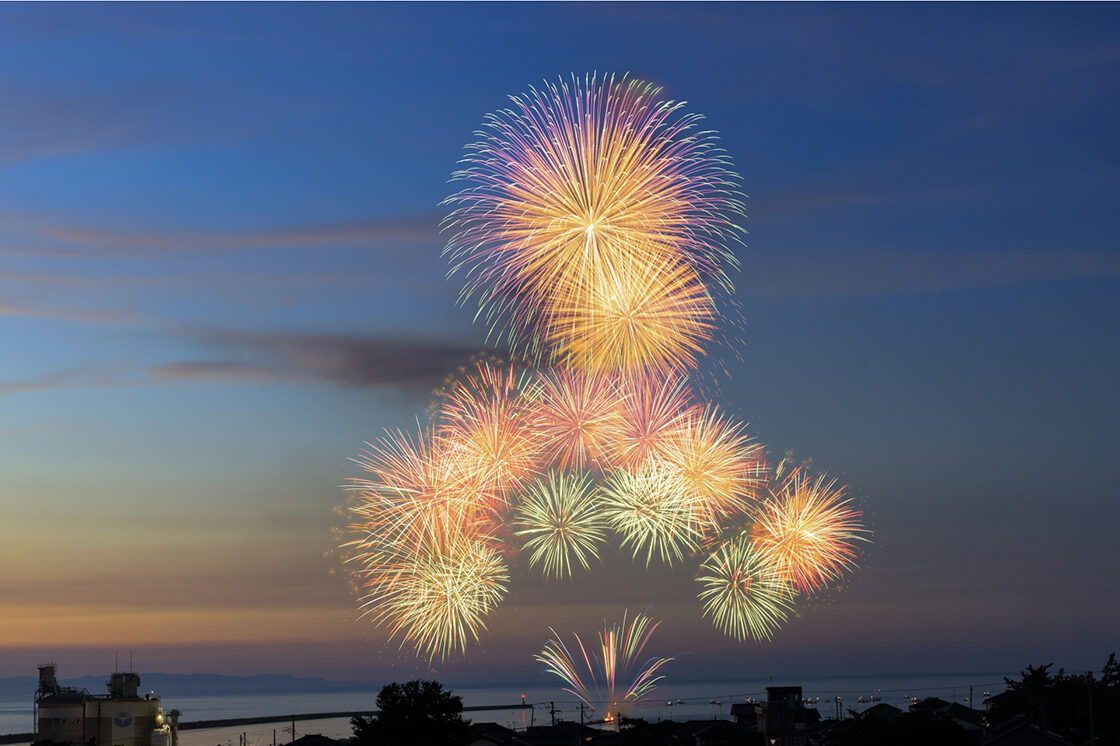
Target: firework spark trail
[(562, 522), (807, 530), (561, 662), (620, 647), (744, 596), (577, 186)]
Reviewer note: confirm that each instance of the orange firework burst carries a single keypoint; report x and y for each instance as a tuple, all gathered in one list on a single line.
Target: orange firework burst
[(575, 415), (807, 530), (424, 550), (419, 492), (594, 216), (436, 598), (717, 467), (484, 419), (651, 408)]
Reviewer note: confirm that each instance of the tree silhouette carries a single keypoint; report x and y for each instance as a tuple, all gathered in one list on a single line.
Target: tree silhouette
[(1078, 707), (419, 713), (1110, 674)]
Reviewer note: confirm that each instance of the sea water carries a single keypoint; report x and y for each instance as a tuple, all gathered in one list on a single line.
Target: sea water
[(672, 700)]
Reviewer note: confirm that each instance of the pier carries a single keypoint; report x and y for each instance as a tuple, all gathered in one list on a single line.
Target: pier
[(234, 722)]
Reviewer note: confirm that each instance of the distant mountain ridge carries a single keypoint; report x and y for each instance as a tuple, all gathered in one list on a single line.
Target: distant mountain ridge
[(179, 685)]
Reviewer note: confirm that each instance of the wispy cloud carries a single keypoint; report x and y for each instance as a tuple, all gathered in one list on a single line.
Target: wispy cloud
[(70, 378), (395, 229), (38, 124), (240, 356), (345, 359), (48, 429), (807, 274), (873, 190), (92, 315), (54, 236)]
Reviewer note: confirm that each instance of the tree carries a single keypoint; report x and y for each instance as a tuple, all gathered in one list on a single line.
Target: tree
[(419, 713), (911, 728), (1110, 674), (1075, 706)]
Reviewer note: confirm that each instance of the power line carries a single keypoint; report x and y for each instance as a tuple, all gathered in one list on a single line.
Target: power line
[(704, 699)]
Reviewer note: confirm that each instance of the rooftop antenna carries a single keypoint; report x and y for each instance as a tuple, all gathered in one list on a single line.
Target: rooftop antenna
[(130, 668), (116, 662)]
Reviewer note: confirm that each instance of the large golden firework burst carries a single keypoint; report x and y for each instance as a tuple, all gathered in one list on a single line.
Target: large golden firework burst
[(593, 225)]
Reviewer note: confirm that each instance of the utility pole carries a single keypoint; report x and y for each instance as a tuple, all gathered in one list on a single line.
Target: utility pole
[(1092, 731), (581, 713), (552, 710)]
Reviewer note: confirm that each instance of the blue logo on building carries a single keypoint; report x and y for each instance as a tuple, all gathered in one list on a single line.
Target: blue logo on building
[(122, 719)]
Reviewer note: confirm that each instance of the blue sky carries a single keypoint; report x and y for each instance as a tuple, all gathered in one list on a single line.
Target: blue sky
[(220, 272)]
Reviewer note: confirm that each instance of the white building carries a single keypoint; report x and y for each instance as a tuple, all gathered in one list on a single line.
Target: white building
[(120, 718)]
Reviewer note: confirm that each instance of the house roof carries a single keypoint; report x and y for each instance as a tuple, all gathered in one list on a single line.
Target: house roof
[(929, 704), (882, 711), (315, 739), (1017, 732), (487, 734)]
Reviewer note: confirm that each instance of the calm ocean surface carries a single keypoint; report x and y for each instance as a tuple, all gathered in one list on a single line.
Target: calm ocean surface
[(690, 700)]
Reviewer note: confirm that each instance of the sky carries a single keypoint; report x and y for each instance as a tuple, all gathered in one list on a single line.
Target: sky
[(221, 273)]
